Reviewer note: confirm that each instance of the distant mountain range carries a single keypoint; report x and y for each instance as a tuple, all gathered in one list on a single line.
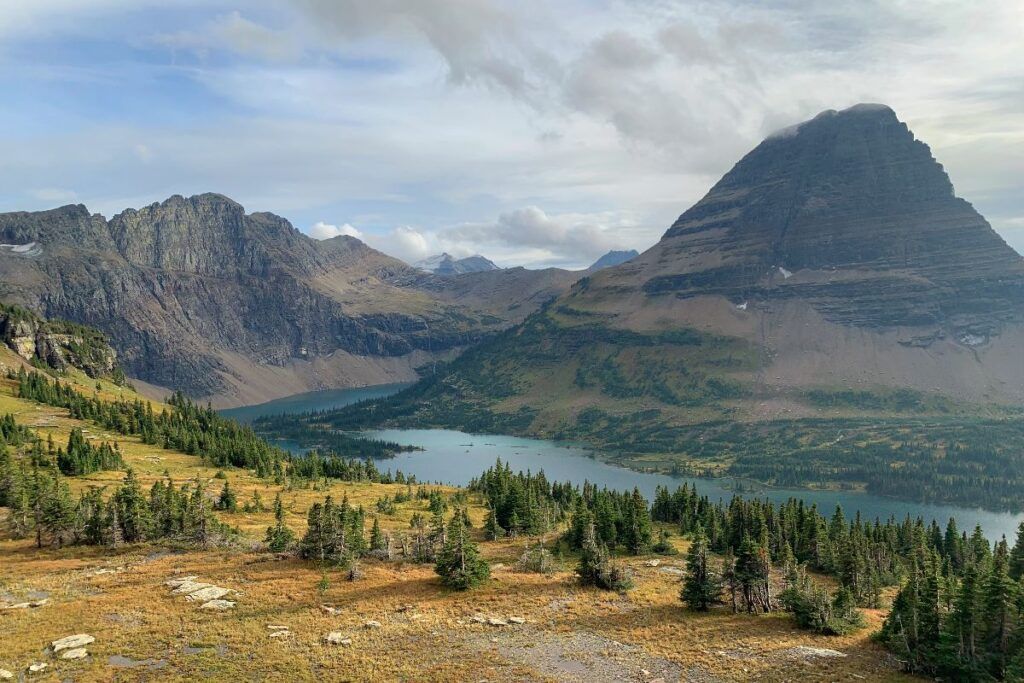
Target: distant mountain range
[(613, 258), (196, 294), (446, 264)]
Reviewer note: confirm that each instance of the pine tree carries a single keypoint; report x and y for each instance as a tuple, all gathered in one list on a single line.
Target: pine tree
[(58, 513), (279, 537), (702, 588), (1000, 616), (227, 500), (377, 541), (492, 530), (459, 563), (1016, 568)]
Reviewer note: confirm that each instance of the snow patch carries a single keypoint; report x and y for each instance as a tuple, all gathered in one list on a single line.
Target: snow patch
[(28, 250), (785, 273), (742, 306)]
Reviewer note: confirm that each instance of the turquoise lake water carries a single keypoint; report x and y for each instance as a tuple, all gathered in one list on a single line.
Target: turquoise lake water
[(454, 457)]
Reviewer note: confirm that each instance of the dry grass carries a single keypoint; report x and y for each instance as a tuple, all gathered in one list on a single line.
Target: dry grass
[(132, 613)]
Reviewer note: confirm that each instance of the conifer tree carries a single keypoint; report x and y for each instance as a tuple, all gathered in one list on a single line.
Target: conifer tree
[(459, 563), (279, 537), (227, 501), (1016, 563), (701, 588), (377, 540), (492, 530)]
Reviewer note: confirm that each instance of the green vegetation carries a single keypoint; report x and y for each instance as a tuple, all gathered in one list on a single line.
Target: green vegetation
[(960, 614), (459, 563)]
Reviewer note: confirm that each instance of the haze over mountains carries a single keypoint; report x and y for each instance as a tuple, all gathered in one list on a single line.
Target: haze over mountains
[(446, 264)]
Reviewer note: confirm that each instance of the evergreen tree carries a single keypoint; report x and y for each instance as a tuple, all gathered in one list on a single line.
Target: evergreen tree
[(459, 563), (492, 530), (279, 537), (702, 588), (1016, 568), (227, 500)]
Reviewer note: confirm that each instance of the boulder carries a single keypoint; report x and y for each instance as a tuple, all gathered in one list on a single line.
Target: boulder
[(37, 667), (6, 675), (189, 587), (220, 605), (77, 653), (208, 593), (497, 621), (370, 623), (516, 620), (337, 638), (72, 642)]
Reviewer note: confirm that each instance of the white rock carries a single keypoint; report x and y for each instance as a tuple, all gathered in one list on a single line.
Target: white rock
[(177, 582), (208, 593), (77, 653), (371, 624), (37, 667), (70, 642), (277, 627), (5, 675), (479, 618), (652, 563), (330, 610), (497, 621), (337, 638), (280, 634), (218, 605), (516, 620), (190, 587)]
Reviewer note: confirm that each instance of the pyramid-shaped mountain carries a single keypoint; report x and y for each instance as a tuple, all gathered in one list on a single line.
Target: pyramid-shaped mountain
[(832, 273), (851, 214)]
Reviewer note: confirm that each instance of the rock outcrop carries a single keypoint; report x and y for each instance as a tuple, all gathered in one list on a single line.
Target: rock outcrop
[(56, 344)]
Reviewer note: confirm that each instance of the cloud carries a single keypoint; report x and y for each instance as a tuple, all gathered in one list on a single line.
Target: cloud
[(325, 231), (237, 34), (568, 238)]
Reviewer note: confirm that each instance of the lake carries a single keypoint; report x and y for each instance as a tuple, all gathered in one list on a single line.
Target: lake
[(454, 457)]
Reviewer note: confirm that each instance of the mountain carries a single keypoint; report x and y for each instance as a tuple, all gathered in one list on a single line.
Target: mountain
[(613, 258), (198, 295), (445, 264), (828, 291)]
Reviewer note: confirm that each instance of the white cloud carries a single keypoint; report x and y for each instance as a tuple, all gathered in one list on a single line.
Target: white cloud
[(569, 237), (325, 231)]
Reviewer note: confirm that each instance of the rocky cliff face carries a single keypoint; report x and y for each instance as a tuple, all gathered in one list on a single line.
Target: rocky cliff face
[(198, 295), (851, 214), (56, 344)]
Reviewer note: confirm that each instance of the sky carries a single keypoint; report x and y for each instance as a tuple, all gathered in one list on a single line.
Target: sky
[(535, 133)]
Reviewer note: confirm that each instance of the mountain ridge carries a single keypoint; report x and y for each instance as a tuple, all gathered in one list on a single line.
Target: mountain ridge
[(234, 307)]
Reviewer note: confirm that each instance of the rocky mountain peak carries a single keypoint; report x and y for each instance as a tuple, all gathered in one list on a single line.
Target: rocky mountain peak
[(851, 213)]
